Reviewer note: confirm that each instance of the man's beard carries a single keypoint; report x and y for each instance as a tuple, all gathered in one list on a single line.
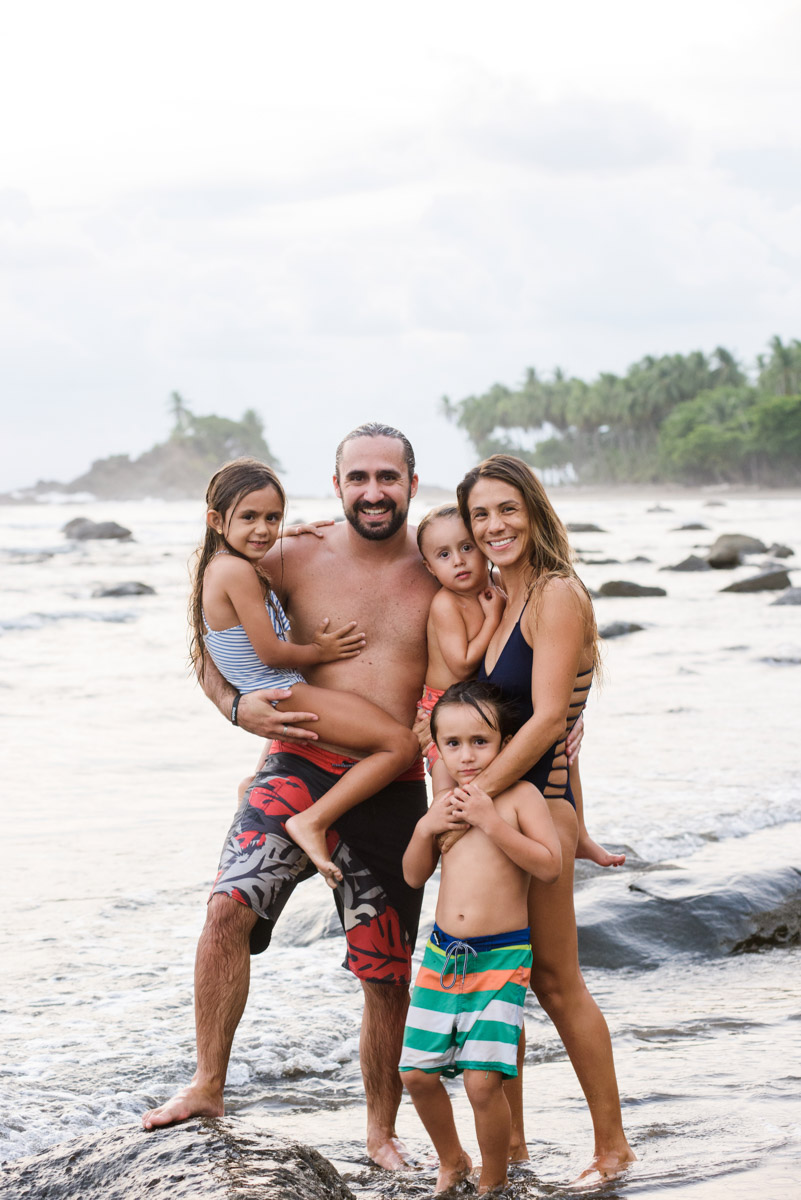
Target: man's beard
[(377, 533)]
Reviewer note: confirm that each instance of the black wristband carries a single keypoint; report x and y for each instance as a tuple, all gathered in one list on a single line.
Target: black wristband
[(235, 708)]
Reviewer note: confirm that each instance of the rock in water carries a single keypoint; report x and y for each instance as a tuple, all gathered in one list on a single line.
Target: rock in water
[(622, 587), (768, 581), (131, 588), (693, 563), (777, 550), (689, 526), (790, 596), (729, 548), (82, 529), (583, 527), (215, 1160), (619, 629)]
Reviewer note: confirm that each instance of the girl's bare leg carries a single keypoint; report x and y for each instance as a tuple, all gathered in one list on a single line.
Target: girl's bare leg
[(493, 1125), (560, 988), (434, 1109), (355, 725)]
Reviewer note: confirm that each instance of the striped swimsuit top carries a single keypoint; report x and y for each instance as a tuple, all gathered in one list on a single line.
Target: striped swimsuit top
[(239, 663)]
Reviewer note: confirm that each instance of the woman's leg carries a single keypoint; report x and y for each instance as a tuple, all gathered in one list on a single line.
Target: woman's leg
[(355, 725), (560, 988), (434, 1109)]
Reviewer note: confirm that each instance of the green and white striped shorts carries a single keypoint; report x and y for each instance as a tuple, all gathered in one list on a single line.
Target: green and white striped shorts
[(466, 1011)]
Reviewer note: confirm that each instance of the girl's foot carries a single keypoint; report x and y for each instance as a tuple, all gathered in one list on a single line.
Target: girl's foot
[(588, 848), (312, 842)]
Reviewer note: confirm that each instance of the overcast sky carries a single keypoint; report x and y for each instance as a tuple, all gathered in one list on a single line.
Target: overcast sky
[(338, 212)]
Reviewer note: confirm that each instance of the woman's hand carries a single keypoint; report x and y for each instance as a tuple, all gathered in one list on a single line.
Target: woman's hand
[(574, 740), (309, 527), (422, 730), (342, 643)]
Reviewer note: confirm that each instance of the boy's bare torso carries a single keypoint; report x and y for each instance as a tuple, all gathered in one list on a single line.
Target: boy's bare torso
[(481, 890), (447, 607), (384, 587)]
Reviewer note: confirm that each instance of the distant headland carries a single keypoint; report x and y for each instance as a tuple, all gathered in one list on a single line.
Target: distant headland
[(178, 469)]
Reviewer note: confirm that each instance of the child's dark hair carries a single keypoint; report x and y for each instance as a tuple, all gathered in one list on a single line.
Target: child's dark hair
[(233, 481), (443, 510), (488, 701)]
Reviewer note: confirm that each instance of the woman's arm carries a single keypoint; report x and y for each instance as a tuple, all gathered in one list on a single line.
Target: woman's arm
[(555, 628)]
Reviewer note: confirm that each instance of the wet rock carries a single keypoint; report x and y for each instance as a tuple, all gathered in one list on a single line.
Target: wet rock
[(645, 917), (777, 550), (729, 548), (619, 629), (690, 525), (768, 581), (131, 588), (623, 587), (791, 595), (714, 504), (693, 563), (640, 558), (601, 562), (583, 527), (659, 508), (215, 1160), (81, 529)]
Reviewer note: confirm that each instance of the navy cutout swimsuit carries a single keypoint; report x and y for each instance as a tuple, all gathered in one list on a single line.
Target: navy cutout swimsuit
[(512, 674)]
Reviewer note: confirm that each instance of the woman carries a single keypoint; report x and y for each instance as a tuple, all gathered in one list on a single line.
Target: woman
[(546, 646)]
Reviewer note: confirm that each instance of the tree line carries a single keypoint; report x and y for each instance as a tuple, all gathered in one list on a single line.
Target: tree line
[(688, 418)]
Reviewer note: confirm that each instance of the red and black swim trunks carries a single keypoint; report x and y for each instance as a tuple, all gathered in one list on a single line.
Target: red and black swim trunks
[(261, 865)]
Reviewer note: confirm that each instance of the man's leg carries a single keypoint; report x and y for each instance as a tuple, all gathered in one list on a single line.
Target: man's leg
[(380, 1046), (222, 978)]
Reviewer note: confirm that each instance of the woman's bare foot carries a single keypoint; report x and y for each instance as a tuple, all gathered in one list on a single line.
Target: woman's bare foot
[(312, 842), (448, 1177), (605, 1166), (193, 1101), (587, 847)]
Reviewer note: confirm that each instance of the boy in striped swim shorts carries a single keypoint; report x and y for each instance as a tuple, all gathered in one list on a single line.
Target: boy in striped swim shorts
[(466, 1011)]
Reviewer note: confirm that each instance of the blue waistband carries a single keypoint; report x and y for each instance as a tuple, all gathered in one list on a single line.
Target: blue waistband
[(493, 941)]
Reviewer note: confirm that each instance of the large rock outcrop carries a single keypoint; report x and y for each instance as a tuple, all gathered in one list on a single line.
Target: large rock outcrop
[(212, 1159)]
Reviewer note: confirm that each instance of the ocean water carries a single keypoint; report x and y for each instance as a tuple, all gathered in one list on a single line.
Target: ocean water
[(118, 783)]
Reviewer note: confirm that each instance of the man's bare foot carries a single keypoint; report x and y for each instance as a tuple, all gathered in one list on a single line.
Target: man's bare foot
[(312, 842), (605, 1166), (448, 1177), (193, 1101), (588, 848), (392, 1155)]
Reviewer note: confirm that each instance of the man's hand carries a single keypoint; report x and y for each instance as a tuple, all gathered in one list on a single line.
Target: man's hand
[(310, 527), (257, 715), (574, 740)]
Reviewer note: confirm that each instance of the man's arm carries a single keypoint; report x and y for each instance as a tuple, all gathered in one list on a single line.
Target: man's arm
[(255, 711)]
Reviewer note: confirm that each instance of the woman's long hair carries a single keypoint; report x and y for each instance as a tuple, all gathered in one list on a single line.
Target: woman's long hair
[(233, 481), (549, 550)]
